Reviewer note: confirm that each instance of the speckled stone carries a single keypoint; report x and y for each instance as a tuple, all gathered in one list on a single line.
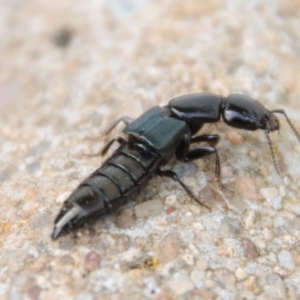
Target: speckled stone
[(69, 70)]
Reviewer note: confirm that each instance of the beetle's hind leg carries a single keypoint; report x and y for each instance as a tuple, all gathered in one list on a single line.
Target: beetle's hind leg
[(104, 150), (124, 119), (173, 175), (120, 140)]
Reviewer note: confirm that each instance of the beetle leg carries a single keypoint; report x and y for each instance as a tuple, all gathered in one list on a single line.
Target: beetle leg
[(211, 139), (126, 120), (183, 153), (120, 140), (267, 132), (202, 152), (173, 175)]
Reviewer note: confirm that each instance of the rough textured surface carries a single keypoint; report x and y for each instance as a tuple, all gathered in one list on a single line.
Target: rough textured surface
[(68, 68)]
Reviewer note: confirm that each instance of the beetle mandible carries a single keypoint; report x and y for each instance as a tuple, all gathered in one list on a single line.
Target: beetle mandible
[(153, 139)]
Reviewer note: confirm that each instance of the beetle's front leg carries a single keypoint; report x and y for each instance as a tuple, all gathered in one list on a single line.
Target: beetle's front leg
[(184, 154)]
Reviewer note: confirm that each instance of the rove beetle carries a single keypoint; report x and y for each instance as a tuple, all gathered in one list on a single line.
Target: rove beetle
[(153, 139)]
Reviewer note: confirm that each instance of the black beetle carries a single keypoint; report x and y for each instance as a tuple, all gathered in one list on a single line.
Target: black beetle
[(153, 139)]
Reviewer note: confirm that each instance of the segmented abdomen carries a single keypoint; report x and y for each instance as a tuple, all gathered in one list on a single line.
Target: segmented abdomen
[(120, 178)]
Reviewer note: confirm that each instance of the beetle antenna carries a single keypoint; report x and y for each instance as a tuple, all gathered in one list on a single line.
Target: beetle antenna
[(281, 111), (267, 131)]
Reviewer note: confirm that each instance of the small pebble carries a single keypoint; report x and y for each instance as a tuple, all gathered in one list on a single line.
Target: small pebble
[(67, 243), (277, 288), (33, 292), (286, 260), (161, 222), (250, 250), (229, 228), (185, 169), (203, 238), (252, 154), (267, 234), (31, 193), (170, 209), (271, 192), (247, 188), (269, 259), (92, 261), (226, 279), (66, 260), (62, 37), (123, 243), (60, 277), (180, 284), (202, 264), (193, 250), (234, 137), (39, 264), (187, 236), (149, 209), (249, 220), (272, 196), (240, 274), (171, 200), (188, 259), (251, 284), (19, 280), (125, 218), (226, 172), (32, 251), (169, 248), (186, 217), (198, 277)]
